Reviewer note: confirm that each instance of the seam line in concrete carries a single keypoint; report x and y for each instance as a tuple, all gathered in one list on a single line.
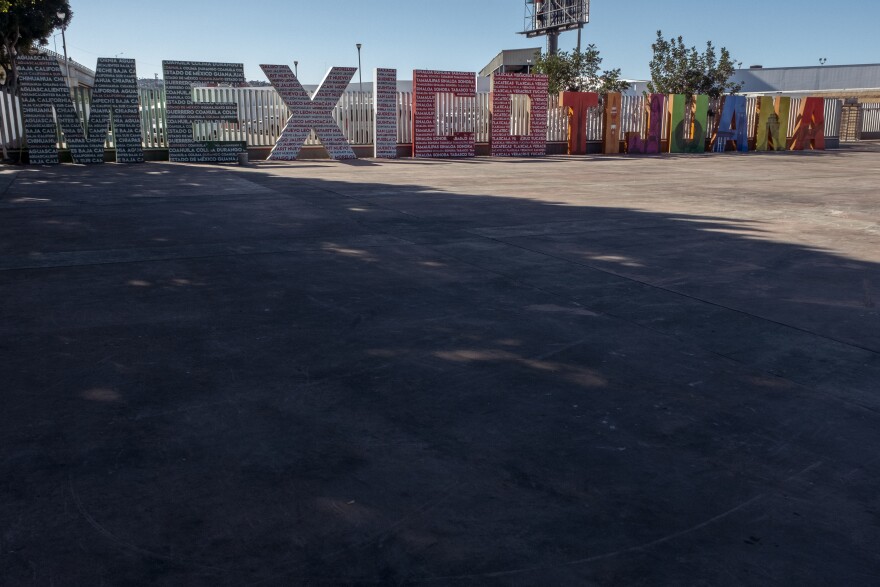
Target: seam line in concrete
[(565, 299), (654, 286), (144, 200), (15, 174), (403, 242), (363, 200), (639, 325)]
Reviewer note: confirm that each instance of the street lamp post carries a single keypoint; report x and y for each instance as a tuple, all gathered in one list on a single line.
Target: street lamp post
[(63, 15), (360, 73), (296, 69)]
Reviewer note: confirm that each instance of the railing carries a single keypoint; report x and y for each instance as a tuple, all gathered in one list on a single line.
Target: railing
[(870, 117), (64, 59), (262, 116)]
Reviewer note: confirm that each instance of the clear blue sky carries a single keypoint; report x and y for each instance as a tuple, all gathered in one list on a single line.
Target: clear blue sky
[(458, 35)]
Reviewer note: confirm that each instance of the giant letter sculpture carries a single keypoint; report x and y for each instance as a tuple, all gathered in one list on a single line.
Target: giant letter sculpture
[(733, 125), (502, 142), (182, 111), (310, 113), (116, 91), (427, 141), (809, 130), (43, 86), (695, 141), (385, 114), (772, 123), (611, 140), (652, 143), (576, 105)]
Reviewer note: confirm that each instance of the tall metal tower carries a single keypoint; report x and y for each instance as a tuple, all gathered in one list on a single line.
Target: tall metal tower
[(551, 17)]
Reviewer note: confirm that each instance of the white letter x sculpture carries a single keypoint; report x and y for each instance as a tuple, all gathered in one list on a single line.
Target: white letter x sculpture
[(307, 114)]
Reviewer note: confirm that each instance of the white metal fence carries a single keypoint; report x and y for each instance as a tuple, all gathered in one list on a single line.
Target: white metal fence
[(11, 130), (263, 115), (870, 118)]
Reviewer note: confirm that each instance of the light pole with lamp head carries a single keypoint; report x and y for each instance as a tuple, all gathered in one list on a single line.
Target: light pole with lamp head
[(360, 74), (296, 69), (63, 16)]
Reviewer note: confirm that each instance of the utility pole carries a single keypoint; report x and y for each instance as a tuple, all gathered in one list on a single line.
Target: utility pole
[(552, 43), (360, 73)]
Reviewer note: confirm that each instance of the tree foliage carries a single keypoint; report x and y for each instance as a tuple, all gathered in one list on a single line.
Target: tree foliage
[(579, 72), (24, 24), (677, 69)]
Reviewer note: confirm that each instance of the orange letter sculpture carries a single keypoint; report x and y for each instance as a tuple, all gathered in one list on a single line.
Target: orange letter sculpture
[(613, 105)]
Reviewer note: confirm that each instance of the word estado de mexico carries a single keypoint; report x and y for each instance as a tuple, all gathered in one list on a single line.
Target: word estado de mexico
[(115, 101)]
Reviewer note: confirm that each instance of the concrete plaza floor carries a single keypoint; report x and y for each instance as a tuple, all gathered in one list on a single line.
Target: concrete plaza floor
[(566, 371)]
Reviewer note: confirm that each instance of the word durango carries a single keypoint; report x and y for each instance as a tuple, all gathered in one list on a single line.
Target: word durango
[(115, 104)]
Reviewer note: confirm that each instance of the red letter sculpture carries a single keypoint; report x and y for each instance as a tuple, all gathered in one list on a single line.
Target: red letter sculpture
[(577, 105), (809, 130), (427, 141), (503, 142)]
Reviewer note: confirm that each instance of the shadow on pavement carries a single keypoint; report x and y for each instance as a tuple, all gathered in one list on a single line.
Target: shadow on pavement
[(231, 377)]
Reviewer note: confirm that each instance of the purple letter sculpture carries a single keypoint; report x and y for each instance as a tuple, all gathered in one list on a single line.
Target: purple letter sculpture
[(652, 142), (307, 113)]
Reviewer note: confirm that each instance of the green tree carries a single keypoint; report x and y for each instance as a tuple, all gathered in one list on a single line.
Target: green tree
[(24, 24), (579, 72), (677, 69)]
